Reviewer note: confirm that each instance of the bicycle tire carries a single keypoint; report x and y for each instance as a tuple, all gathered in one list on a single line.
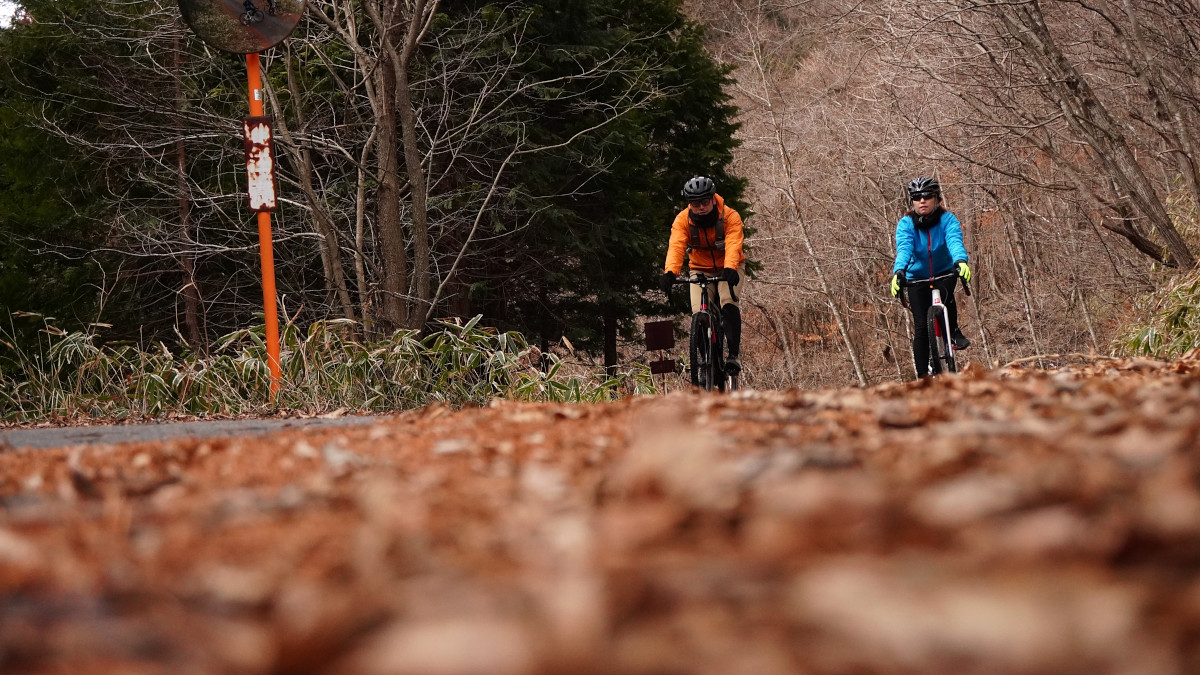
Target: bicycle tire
[(941, 358), (700, 352), (252, 17), (931, 326), (718, 349)]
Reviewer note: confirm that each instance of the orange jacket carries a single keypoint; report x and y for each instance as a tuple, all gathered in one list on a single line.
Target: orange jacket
[(702, 258)]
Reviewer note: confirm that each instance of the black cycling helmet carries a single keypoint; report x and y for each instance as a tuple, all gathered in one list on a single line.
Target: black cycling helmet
[(924, 184), (697, 188)]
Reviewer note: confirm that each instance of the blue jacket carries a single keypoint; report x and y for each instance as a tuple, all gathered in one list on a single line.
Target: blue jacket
[(914, 248)]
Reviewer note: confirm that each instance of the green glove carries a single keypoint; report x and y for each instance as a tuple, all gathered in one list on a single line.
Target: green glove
[(964, 271), (895, 284)]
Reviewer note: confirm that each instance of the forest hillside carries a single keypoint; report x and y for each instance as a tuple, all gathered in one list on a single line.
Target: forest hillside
[(521, 162), (1063, 134)]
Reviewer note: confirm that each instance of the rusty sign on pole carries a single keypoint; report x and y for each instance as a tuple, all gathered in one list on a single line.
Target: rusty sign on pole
[(260, 163)]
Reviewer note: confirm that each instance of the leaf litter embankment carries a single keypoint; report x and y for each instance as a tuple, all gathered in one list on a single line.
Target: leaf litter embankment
[(1013, 521)]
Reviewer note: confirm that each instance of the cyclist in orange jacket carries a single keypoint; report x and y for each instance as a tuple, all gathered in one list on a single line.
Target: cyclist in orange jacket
[(710, 235)]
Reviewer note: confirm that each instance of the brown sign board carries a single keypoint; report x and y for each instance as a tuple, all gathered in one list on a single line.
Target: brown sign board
[(664, 367), (660, 335)]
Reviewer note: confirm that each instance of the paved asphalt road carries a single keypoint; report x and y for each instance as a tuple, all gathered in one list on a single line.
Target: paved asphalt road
[(57, 437)]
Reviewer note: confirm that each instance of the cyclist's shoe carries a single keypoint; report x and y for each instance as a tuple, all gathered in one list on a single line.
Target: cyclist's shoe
[(733, 365), (960, 340)]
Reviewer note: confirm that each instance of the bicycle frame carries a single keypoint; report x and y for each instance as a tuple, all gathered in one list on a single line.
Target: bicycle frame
[(944, 324), (941, 343)]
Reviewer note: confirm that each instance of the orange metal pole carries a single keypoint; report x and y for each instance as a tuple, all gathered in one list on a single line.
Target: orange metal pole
[(264, 243)]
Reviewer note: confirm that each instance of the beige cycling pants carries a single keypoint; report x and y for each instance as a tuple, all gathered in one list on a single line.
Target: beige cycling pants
[(723, 287)]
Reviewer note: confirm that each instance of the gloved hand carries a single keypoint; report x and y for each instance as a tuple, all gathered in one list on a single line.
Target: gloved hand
[(964, 270), (896, 284), (666, 282), (730, 276)]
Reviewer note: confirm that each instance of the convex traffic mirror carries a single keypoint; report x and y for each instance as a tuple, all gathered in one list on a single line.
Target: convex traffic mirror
[(242, 26)]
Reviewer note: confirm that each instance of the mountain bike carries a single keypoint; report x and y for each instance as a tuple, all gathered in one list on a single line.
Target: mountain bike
[(937, 323), (254, 15), (706, 349), (251, 16)]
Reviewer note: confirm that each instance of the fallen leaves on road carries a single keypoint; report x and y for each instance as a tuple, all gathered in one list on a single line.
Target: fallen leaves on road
[(1016, 521)]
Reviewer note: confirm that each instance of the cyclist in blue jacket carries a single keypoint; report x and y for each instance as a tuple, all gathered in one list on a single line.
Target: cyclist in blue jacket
[(929, 243)]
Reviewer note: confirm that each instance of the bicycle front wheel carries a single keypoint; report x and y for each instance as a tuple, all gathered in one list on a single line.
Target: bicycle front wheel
[(701, 352), (941, 358)]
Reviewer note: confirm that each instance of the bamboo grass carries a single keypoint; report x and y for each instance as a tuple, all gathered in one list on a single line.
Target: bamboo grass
[(1173, 324), (75, 376)]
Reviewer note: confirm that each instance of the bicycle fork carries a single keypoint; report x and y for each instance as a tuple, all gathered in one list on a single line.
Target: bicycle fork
[(712, 331), (943, 325), (706, 360)]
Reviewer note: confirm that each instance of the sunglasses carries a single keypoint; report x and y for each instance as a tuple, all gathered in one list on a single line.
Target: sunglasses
[(921, 196), (701, 202)]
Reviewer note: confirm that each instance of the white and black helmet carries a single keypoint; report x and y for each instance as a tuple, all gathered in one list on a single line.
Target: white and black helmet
[(924, 185), (698, 188)]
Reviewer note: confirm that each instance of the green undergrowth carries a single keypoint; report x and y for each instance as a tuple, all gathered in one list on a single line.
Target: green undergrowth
[(1170, 321), (73, 375)]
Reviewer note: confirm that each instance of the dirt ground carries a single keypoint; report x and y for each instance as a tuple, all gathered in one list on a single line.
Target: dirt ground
[(1014, 521)]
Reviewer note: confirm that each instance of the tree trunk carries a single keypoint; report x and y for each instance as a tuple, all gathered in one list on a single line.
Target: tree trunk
[(610, 340), (1016, 251), (413, 166), (187, 260), (1087, 316), (394, 262), (984, 343), (360, 213), (988, 357)]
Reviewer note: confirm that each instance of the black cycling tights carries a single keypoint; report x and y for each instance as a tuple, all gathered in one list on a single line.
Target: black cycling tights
[(920, 299)]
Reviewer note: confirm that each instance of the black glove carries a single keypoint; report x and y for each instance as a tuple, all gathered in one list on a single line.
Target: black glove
[(731, 276), (666, 282)]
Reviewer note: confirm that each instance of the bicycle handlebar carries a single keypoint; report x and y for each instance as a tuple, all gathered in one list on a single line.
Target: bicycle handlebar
[(922, 282), (952, 274), (700, 279)]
